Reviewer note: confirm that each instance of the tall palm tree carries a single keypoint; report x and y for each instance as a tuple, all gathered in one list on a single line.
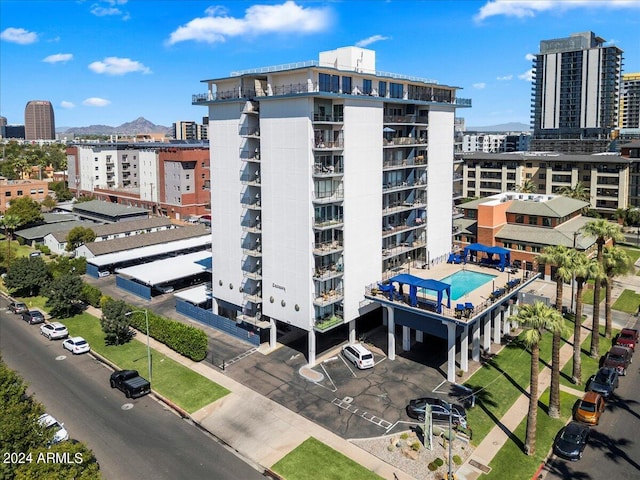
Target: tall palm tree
[(577, 191), (534, 319), (10, 222), (604, 231), (616, 262), (562, 258), (527, 186), (584, 268)]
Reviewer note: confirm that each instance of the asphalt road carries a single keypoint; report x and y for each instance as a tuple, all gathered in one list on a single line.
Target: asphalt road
[(132, 439), (613, 450)]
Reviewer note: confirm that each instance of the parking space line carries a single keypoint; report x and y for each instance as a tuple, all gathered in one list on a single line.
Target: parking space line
[(439, 385), (346, 405), (239, 357), (334, 389), (348, 366)]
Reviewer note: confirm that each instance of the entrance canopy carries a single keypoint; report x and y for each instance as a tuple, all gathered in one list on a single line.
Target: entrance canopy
[(425, 284), (503, 255)]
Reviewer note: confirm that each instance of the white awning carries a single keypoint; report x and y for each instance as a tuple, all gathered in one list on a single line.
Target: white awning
[(167, 270)]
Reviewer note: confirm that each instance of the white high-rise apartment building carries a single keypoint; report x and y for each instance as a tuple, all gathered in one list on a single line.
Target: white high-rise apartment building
[(324, 176)]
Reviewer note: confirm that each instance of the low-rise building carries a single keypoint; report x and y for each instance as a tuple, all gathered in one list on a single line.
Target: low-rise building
[(12, 189)]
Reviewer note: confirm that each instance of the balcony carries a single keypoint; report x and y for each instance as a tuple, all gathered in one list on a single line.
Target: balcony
[(404, 247), (407, 205), (396, 186), (255, 228), (401, 119), (329, 297), (251, 203), (333, 145), (251, 180), (248, 132), (328, 248), (255, 275), (317, 118), (255, 251), (255, 297), (336, 195), (326, 223), (390, 229), (327, 323), (254, 318), (417, 161), (321, 170), (403, 141), (328, 272)]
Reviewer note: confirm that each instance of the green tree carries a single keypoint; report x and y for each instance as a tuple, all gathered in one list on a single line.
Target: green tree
[(584, 268), (78, 236), (63, 294), (49, 202), (562, 258), (604, 231), (10, 222), (62, 266), (616, 262), (82, 465), (535, 320), (63, 194), (527, 186), (27, 276), (26, 209), (577, 192), (115, 322)]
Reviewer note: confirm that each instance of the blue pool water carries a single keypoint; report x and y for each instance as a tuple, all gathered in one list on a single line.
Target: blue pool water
[(465, 281)]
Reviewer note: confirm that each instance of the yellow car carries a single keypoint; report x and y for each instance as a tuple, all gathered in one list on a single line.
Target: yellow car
[(589, 408)]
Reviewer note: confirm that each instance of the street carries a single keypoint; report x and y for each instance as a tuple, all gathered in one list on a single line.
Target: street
[(131, 439), (613, 450)]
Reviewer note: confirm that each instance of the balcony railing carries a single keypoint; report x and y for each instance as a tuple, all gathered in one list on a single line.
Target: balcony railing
[(401, 185), (328, 248), (255, 297), (250, 132), (253, 252), (321, 223), (392, 230), (404, 141), (329, 297), (327, 323), (403, 247), (330, 196), (255, 275), (407, 162), (328, 272), (335, 145), (327, 118), (400, 119), (321, 170)]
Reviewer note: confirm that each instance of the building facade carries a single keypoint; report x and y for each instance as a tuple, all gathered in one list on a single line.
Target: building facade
[(630, 101), (12, 189), (320, 183), (575, 94), (39, 121), (190, 130)]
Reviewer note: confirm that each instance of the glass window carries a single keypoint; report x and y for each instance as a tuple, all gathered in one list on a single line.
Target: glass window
[(19, 193), (519, 218), (382, 89), (366, 86), (335, 83), (346, 84), (395, 90), (324, 82), (533, 220)]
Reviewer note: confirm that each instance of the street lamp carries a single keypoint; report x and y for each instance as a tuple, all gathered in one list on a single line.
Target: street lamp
[(146, 317)]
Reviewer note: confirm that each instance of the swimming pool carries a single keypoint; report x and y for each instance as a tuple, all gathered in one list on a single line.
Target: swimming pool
[(465, 281)]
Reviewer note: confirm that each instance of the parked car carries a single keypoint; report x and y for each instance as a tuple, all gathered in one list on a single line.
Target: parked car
[(130, 382), (604, 382), (628, 337), (60, 433), (590, 408), (33, 317), (54, 330), (618, 357), (76, 345), (18, 307), (358, 355), (440, 411), (571, 440)]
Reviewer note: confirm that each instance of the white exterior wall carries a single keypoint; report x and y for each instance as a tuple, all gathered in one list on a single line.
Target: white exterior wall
[(439, 181), (591, 89), (55, 247), (226, 208), (362, 200), (550, 117), (148, 172), (286, 137)]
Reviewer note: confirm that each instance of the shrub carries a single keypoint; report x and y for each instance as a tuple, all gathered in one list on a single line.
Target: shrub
[(438, 462), (404, 436), (457, 460), (415, 446), (91, 295), (44, 249), (432, 467)]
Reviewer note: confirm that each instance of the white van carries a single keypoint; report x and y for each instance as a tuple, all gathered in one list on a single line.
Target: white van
[(358, 355)]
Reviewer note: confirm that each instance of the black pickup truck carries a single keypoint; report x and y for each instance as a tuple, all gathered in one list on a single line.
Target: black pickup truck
[(129, 382)]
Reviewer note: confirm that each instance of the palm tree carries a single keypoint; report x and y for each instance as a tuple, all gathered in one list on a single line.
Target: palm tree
[(604, 231), (616, 262), (584, 268), (10, 222), (562, 258), (527, 186), (534, 319), (577, 191)]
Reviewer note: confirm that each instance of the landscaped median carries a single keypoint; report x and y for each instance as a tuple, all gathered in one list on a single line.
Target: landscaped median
[(182, 386)]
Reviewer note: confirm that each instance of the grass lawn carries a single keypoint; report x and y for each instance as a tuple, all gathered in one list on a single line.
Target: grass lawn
[(589, 365), (587, 296), (186, 388), (313, 459), (512, 453), (628, 301), (633, 253)]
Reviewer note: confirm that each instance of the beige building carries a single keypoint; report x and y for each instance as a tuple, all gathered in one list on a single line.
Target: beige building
[(12, 189)]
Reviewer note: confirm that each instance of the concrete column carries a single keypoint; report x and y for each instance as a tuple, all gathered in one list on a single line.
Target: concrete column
[(214, 306), (464, 349), (497, 327), (486, 334), (406, 339), (273, 333), (419, 336), (352, 332), (504, 316), (475, 342), (391, 334), (451, 352), (385, 316), (312, 348)]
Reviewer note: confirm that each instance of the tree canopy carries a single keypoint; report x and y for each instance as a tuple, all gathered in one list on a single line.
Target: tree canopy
[(64, 294), (115, 322), (78, 236), (26, 209), (27, 275)]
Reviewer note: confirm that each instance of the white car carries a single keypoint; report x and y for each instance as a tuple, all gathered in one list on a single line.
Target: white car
[(54, 330), (60, 434), (76, 345), (358, 355)]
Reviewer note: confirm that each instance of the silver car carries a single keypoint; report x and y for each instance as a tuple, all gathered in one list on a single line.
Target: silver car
[(54, 330)]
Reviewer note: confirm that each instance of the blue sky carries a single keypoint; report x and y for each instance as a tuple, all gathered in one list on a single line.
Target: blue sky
[(109, 62)]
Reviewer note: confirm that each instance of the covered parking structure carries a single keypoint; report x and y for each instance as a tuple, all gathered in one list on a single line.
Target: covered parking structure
[(503, 260), (164, 275)]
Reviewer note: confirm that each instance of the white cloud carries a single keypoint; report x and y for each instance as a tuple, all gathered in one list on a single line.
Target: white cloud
[(370, 40), (95, 102), (118, 66), (111, 9), (528, 75), (65, 104), (18, 35), (217, 26), (505, 77), (530, 8), (58, 57), (530, 57), (479, 86)]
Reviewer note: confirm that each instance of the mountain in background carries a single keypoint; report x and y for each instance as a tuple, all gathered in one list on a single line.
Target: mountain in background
[(139, 125), (503, 127)]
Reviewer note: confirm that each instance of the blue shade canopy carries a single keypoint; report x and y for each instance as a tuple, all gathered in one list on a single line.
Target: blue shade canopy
[(427, 284), (504, 255)]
